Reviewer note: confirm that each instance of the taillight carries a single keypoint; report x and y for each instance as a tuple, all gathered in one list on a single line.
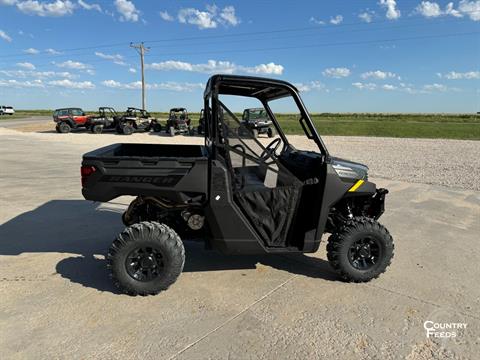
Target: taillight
[(86, 171)]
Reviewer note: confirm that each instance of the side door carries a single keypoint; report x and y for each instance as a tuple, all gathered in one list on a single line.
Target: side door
[(79, 116), (263, 189)]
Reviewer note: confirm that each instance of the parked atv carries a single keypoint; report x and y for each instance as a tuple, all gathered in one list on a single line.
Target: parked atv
[(135, 120), (178, 122), (107, 119), (258, 121), (201, 123), (69, 118), (237, 196)]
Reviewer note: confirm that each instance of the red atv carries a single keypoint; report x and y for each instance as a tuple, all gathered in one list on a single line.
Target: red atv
[(69, 118)]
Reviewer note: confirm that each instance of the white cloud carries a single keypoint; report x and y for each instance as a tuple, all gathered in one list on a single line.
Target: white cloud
[(55, 8), (213, 66), (26, 65), (336, 20), (171, 86), (389, 87), (379, 75), (366, 16), (310, 86), (470, 8), (133, 70), (31, 51), (314, 20), (453, 75), (209, 18), (69, 84), (74, 65), (228, 17), (88, 6), (365, 86), (21, 84), (127, 10), (8, 2), (37, 74), (449, 10), (392, 12), (166, 16), (116, 58), (52, 51), (203, 19), (435, 87), (429, 9), (4, 36), (338, 72)]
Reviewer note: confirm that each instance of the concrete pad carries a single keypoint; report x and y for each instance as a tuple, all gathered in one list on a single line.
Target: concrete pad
[(57, 300)]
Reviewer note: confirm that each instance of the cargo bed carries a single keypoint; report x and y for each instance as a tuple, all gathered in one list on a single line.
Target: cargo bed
[(175, 172)]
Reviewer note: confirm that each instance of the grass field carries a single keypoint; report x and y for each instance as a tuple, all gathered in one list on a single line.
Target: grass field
[(444, 126)]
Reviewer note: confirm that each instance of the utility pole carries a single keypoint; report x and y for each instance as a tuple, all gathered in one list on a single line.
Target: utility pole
[(141, 49)]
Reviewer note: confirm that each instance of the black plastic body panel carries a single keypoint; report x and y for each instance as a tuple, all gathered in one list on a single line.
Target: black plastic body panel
[(169, 171)]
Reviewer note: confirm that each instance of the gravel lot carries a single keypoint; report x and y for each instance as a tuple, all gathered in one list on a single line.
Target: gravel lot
[(58, 303), (453, 163)]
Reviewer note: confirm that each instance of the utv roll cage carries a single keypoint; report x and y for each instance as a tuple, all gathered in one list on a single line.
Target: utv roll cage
[(264, 90)]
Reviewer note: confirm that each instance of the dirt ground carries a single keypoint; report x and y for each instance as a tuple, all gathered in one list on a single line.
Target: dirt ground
[(58, 302)]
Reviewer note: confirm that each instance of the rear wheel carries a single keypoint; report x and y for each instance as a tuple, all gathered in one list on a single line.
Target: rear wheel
[(96, 129), (146, 258), (64, 128), (171, 131), (127, 129), (361, 250)]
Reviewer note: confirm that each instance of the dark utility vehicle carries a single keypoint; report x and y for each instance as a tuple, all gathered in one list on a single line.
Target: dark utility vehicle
[(107, 119), (178, 122), (237, 196), (201, 123), (69, 118), (258, 121), (137, 120)]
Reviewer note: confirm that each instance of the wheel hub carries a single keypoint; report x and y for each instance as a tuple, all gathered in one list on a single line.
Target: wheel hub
[(364, 253), (144, 263)]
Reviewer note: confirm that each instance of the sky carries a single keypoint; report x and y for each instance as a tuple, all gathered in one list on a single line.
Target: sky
[(344, 56)]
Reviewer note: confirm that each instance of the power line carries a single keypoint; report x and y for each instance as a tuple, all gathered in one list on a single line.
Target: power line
[(313, 45), (299, 29)]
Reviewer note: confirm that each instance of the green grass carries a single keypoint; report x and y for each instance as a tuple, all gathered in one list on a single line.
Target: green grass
[(433, 126)]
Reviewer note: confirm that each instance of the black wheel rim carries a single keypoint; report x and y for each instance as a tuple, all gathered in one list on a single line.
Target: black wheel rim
[(145, 263), (364, 253)]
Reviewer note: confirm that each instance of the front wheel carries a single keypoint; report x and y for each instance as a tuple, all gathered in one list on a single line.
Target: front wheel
[(361, 250), (146, 258), (171, 131), (270, 132), (157, 127)]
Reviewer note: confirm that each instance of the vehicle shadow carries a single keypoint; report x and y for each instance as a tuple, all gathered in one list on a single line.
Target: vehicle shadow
[(86, 230)]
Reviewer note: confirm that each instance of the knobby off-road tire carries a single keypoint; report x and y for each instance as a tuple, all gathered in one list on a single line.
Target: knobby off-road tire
[(270, 132), (171, 131), (96, 129), (64, 128), (255, 133), (57, 129), (146, 238), (157, 127), (349, 256), (127, 129)]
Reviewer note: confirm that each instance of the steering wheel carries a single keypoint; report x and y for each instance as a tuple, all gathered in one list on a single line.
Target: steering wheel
[(271, 149)]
